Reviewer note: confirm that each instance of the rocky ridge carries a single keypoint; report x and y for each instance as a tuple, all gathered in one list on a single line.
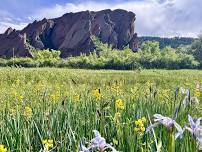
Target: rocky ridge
[(71, 33)]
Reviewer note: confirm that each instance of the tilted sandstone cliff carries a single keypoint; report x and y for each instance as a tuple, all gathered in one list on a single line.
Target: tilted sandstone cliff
[(71, 33)]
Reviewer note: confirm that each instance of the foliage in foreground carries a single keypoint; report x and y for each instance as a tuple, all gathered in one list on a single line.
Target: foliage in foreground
[(56, 108)]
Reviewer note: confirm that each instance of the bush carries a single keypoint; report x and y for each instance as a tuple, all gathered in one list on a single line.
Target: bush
[(104, 57)]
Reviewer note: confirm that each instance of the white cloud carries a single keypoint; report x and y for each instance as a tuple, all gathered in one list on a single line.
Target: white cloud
[(154, 17), (17, 26), (7, 20), (2, 28)]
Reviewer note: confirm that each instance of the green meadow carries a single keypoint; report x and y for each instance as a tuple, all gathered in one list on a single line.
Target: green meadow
[(54, 109)]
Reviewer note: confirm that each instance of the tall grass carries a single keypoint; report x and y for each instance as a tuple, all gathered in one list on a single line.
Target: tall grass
[(65, 109)]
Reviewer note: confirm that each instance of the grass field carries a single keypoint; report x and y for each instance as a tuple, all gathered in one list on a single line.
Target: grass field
[(53, 109)]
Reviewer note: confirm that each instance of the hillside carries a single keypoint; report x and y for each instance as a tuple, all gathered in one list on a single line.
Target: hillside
[(173, 42)]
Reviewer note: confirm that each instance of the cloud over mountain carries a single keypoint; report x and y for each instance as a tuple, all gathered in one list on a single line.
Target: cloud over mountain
[(154, 17)]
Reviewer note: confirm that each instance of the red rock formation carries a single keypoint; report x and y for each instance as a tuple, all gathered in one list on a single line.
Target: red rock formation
[(12, 43), (71, 33)]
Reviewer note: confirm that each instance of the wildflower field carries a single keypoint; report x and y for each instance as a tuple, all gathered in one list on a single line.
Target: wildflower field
[(62, 110)]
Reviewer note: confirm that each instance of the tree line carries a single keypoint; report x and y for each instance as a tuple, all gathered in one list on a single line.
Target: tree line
[(149, 56)]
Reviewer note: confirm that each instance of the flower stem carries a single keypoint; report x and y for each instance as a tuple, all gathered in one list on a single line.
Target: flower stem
[(171, 140)]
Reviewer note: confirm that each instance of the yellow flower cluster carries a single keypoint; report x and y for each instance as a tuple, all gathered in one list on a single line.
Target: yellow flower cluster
[(3, 148), (147, 88), (136, 91), (55, 97), (149, 84), (97, 94), (76, 98), (40, 86), (197, 92), (28, 112), (116, 88), (56, 94), (17, 96), (140, 125), (165, 93), (119, 104), (47, 143)]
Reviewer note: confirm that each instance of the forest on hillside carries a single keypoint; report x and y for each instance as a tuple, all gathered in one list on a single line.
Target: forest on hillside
[(173, 42)]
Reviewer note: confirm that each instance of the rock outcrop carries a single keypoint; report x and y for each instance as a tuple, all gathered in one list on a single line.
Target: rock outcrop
[(12, 43), (71, 33)]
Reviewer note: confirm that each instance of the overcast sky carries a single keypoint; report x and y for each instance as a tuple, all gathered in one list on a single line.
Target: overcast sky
[(164, 18)]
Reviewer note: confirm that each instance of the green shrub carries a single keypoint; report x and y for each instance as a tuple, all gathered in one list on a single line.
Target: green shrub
[(149, 56)]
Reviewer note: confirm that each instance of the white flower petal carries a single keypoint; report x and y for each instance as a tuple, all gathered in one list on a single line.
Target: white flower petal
[(151, 127), (178, 127), (198, 132), (158, 116), (168, 122), (198, 121), (82, 148), (179, 134), (189, 129), (110, 147), (182, 90), (191, 121), (98, 141), (96, 133), (200, 140)]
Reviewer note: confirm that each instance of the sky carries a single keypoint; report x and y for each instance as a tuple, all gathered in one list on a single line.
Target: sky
[(165, 18)]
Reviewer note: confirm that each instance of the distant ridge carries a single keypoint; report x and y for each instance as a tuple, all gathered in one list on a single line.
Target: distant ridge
[(172, 42)]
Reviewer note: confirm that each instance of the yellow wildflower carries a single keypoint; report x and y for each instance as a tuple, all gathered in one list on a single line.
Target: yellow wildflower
[(47, 143), (165, 93), (17, 96), (115, 88), (140, 125), (142, 129), (97, 94), (136, 129), (144, 119), (3, 148), (197, 92), (119, 104), (40, 86), (55, 96), (76, 98), (139, 122), (149, 84), (28, 112), (20, 98)]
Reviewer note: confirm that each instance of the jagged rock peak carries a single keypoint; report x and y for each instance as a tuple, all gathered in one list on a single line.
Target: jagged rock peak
[(71, 33), (9, 31)]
